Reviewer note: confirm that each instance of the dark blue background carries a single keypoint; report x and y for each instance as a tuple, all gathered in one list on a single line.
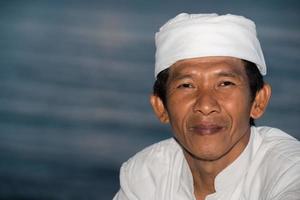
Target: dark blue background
[(75, 77)]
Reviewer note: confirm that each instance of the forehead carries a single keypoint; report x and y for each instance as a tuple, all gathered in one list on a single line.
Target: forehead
[(209, 65)]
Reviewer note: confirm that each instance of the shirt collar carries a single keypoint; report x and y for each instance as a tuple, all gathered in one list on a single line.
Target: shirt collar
[(229, 176)]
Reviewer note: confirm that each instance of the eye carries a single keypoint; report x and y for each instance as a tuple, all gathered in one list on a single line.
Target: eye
[(226, 83), (185, 85)]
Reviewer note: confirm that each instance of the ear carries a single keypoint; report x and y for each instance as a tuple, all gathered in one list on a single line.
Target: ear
[(159, 109), (261, 101)]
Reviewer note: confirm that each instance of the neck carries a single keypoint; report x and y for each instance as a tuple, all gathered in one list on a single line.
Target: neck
[(204, 172)]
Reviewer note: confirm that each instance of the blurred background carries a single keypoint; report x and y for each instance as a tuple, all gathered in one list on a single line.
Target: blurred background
[(75, 77)]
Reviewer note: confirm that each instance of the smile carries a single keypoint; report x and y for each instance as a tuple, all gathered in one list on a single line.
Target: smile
[(206, 129)]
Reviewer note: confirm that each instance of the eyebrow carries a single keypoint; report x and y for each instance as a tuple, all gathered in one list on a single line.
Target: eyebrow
[(228, 74), (179, 76)]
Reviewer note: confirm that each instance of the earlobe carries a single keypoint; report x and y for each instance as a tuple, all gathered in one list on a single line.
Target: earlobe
[(261, 102), (159, 109)]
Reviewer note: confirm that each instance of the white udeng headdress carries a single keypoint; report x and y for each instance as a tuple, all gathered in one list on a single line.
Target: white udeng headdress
[(200, 35)]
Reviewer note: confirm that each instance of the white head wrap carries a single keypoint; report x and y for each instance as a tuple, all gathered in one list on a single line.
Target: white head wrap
[(201, 35)]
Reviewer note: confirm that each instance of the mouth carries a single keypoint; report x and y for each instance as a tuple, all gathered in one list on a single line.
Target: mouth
[(205, 129)]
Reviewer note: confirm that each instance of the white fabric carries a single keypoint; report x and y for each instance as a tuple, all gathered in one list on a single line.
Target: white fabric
[(201, 35), (268, 169)]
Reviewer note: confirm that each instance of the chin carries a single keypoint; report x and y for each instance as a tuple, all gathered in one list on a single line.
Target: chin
[(205, 154)]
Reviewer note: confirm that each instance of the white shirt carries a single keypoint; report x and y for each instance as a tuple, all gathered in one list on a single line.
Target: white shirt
[(267, 169)]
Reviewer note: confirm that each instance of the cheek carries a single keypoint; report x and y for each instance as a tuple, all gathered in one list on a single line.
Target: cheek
[(176, 115), (238, 107), (179, 108)]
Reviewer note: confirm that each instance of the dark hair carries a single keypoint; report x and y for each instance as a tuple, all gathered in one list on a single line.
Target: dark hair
[(255, 79)]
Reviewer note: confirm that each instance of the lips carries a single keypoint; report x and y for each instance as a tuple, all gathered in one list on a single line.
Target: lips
[(205, 129)]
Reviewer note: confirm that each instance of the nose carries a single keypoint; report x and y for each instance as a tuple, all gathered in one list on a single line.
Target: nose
[(206, 103)]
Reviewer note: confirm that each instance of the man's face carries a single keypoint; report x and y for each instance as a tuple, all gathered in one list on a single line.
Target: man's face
[(209, 106)]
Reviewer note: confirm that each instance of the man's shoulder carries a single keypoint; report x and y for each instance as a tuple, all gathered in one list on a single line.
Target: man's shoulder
[(277, 160), (271, 132), (279, 145), (158, 151), (153, 159), (277, 155)]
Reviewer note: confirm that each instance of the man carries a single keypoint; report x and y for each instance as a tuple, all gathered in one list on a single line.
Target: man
[(209, 88)]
